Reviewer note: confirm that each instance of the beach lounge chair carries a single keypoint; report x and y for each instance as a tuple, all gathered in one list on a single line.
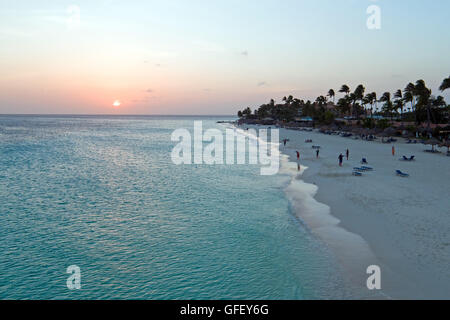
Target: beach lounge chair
[(404, 158), (357, 174), (316, 147), (359, 169), (347, 135), (401, 174), (367, 168)]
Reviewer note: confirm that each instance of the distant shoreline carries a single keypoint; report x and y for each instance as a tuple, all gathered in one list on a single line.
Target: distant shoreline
[(113, 115)]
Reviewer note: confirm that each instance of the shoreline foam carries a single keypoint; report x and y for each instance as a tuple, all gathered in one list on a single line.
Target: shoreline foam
[(351, 250)]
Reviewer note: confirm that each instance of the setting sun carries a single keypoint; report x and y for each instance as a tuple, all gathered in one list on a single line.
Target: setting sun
[(116, 104)]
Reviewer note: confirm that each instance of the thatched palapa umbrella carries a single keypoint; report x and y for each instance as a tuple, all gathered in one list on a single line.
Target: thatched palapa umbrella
[(433, 142), (390, 132), (446, 144)]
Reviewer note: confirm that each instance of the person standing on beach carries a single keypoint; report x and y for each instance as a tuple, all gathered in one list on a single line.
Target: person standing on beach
[(393, 150), (347, 153), (298, 155), (341, 158), (298, 167), (317, 153)]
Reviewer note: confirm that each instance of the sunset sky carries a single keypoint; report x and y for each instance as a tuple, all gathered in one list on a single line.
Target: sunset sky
[(210, 57)]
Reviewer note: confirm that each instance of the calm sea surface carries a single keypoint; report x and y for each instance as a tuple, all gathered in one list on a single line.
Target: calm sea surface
[(102, 193)]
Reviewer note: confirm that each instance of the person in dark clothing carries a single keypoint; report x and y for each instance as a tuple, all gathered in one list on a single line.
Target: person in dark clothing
[(341, 158), (298, 155), (317, 153), (347, 153)]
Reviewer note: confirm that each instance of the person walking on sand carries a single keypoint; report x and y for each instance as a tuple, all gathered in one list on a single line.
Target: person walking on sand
[(341, 158), (347, 153), (298, 155), (393, 150), (317, 153), (298, 167)]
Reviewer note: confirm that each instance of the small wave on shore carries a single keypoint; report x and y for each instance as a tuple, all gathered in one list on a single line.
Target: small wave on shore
[(351, 250)]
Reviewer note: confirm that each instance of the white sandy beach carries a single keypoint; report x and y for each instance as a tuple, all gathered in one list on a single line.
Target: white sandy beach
[(400, 224)]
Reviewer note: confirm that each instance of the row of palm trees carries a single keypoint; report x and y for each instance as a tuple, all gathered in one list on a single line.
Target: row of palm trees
[(415, 98), (417, 95)]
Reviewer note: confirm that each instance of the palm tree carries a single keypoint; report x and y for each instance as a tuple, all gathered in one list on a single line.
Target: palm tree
[(321, 100), (409, 96), (398, 94), (374, 100), (427, 98), (247, 112), (290, 99), (436, 104), (420, 86), (399, 103), (331, 94), (344, 105), (445, 84), (439, 102), (359, 95), (369, 100), (365, 101), (388, 106), (353, 98), (345, 89), (423, 100)]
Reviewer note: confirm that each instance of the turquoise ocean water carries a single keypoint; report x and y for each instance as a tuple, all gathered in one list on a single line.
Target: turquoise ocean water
[(102, 193)]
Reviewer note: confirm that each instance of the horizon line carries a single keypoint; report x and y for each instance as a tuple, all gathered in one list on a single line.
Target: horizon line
[(116, 115)]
